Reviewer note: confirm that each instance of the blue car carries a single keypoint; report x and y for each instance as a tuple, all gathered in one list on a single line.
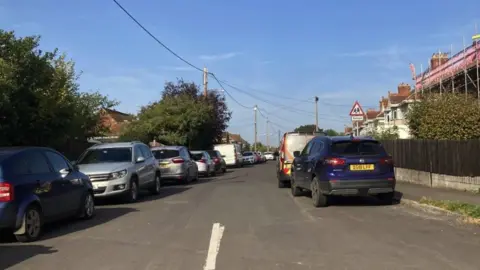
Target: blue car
[(39, 185), (343, 166)]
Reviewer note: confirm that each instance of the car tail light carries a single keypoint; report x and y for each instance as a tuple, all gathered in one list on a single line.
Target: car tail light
[(386, 161), (216, 160), (6, 192), (178, 160), (335, 161), (202, 161)]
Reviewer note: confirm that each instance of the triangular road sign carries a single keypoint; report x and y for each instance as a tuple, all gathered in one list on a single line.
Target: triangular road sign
[(357, 110)]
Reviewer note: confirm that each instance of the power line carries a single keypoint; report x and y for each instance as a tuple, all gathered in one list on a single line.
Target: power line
[(155, 38), (223, 88)]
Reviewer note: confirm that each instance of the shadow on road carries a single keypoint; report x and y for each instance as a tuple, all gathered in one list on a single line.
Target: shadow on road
[(166, 191), (64, 227), (360, 200), (11, 255), (102, 216)]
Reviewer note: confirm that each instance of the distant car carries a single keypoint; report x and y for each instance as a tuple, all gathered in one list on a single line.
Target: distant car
[(205, 164), (218, 159), (121, 170), (249, 157), (343, 166), (39, 185), (176, 164), (269, 156)]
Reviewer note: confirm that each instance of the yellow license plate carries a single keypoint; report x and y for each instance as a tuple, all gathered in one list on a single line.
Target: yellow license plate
[(164, 165), (362, 167)]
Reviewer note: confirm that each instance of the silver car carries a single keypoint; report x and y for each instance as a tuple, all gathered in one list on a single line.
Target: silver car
[(176, 164), (120, 169), (205, 163)]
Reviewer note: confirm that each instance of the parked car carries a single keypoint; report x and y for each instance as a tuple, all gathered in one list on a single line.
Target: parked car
[(232, 153), (249, 157), (205, 164), (121, 169), (343, 166), (37, 186), (176, 164), (262, 157), (269, 156), (218, 159), (291, 142)]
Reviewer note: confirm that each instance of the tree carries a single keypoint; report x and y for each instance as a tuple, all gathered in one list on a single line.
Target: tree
[(446, 116), (385, 134), (305, 129), (40, 100), (331, 132), (182, 117)]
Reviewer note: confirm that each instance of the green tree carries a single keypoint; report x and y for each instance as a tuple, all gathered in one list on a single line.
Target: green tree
[(445, 116), (385, 134), (305, 129), (331, 132), (182, 117), (40, 100)]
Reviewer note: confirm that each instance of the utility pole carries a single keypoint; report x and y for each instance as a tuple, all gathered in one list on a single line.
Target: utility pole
[(316, 113), (255, 124), (268, 138), (205, 81)]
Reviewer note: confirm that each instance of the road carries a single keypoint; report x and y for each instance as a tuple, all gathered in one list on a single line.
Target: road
[(263, 228)]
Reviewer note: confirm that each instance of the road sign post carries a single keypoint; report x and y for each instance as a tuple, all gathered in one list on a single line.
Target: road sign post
[(357, 115)]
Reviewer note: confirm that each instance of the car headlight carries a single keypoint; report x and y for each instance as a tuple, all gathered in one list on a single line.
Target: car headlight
[(119, 174)]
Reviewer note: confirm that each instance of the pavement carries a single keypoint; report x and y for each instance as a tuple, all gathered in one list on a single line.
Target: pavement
[(241, 220)]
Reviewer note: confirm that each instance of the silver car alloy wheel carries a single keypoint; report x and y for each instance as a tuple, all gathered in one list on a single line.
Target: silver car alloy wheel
[(89, 205), (157, 183), (32, 223)]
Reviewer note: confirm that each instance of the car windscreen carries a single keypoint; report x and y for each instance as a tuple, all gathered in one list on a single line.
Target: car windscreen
[(247, 154), (105, 155), (357, 148), (165, 153), (197, 155)]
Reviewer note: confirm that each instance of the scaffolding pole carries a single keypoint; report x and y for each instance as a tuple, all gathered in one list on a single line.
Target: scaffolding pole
[(465, 69)]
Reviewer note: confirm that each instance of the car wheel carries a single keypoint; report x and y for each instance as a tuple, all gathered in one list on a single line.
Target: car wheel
[(32, 222), (281, 184), (318, 199), (224, 169), (386, 198), (296, 191), (132, 195), (87, 210), (157, 185)]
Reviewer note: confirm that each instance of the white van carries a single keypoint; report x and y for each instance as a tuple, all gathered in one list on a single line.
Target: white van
[(232, 153)]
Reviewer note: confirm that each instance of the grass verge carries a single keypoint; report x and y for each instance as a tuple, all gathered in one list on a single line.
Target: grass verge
[(470, 211)]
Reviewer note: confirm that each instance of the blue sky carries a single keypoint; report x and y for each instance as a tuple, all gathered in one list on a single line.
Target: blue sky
[(280, 51)]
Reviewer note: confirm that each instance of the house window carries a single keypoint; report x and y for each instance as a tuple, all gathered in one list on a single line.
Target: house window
[(394, 115)]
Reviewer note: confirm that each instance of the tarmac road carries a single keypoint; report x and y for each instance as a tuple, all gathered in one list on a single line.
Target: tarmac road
[(241, 220)]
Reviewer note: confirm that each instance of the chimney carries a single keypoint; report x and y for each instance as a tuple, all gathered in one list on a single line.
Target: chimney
[(380, 105), (404, 89), (438, 59), (389, 94)]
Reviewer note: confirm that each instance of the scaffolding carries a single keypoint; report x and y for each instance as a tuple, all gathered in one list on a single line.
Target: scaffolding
[(458, 73)]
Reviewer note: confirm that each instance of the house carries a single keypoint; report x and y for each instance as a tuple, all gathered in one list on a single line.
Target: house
[(397, 108), (228, 137), (370, 125), (113, 121)]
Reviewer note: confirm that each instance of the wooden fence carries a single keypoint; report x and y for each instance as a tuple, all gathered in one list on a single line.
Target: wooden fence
[(458, 158)]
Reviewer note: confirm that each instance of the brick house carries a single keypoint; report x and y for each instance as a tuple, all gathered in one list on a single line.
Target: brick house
[(232, 138), (114, 121)]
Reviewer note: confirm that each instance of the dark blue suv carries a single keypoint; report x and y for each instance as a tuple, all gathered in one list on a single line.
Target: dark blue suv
[(345, 166), (39, 185)]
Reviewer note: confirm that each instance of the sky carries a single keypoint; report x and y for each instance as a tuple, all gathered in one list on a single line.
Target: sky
[(281, 54)]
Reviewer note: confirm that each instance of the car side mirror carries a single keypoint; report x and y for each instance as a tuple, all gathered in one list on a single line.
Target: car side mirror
[(140, 159), (296, 153)]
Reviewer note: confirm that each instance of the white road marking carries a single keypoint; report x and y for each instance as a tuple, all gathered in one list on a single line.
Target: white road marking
[(214, 247)]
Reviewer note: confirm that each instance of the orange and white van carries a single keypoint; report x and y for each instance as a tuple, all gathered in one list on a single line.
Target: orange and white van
[(291, 142)]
